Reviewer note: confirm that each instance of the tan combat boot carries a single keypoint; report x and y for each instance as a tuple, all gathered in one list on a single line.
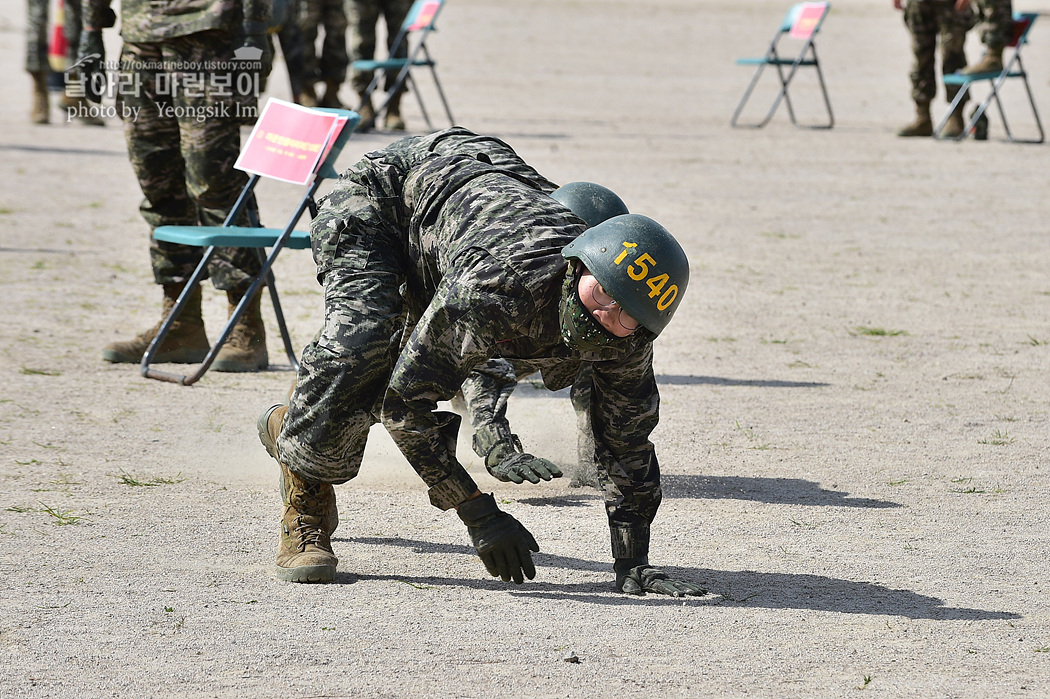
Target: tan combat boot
[(922, 126), (308, 97), (245, 348), (331, 95), (185, 343), (41, 112), (953, 128), (393, 121), (368, 115), (304, 552), (991, 62)]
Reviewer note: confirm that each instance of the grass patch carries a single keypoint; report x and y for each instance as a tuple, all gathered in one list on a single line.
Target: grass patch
[(877, 332), (28, 371), (131, 481), (999, 438), (61, 517)]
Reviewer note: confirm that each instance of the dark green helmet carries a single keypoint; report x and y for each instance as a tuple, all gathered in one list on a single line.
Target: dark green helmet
[(638, 263), (591, 202)]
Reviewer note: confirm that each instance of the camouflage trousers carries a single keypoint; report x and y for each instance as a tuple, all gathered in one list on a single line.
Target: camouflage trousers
[(363, 16), (330, 65), (344, 371), (182, 144), (997, 19), (290, 38), (37, 18), (930, 21)]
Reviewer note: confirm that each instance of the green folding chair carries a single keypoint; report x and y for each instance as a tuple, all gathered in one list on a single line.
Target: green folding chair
[(800, 26), (283, 154), (1014, 68), (409, 51)]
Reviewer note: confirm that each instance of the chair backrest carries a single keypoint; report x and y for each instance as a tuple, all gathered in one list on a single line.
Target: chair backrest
[(422, 15), (1023, 22), (803, 20), (295, 144)]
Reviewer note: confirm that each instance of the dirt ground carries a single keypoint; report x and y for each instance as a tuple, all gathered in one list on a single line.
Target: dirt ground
[(855, 417)]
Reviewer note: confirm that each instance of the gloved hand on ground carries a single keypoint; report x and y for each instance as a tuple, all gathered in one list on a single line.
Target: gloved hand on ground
[(634, 576), (502, 542)]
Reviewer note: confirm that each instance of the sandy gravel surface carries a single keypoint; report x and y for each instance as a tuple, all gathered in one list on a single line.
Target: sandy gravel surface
[(855, 410)]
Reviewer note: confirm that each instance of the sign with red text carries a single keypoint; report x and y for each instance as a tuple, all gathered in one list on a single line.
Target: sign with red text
[(808, 19), (289, 142)]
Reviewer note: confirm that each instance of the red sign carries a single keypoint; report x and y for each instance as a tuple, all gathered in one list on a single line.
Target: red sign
[(425, 16), (808, 19), (289, 142)]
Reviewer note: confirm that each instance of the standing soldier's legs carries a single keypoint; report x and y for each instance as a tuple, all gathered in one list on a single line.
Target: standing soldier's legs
[(394, 13), (997, 18), (309, 20), (36, 58), (362, 16), (291, 40), (78, 106), (921, 20), (954, 26), (154, 150), (333, 61), (210, 147)]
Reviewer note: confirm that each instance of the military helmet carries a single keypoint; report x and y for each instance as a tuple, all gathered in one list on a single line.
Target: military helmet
[(638, 263), (591, 202)]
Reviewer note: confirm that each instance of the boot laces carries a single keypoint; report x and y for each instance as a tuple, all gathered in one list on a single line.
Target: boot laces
[(309, 532)]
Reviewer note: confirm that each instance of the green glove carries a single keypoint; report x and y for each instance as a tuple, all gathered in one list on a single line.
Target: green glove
[(501, 541), (634, 576), (91, 62), (507, 463)]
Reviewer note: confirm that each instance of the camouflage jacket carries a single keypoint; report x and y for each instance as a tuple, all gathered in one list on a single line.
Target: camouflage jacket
[(483, 255), (147, 21)]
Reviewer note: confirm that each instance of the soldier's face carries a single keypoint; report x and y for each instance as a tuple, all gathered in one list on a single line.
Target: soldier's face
[(603, 307)]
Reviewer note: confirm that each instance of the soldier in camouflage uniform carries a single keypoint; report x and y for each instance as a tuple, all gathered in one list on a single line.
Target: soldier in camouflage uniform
[(451, 238), (928, 21), (330, 66), (38, 65), (36, 58), (184, 95), (997, 17), (363, 16)]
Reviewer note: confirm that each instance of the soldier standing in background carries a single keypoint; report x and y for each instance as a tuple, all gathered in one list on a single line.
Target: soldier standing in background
[(997, 17), (182, 117), (452, 239), (928, 21), (363, 16), (330, 66), (38, 66)]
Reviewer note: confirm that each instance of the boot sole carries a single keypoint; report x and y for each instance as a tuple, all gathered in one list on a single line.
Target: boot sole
[(264, 433), (306, 574), (238, 367)]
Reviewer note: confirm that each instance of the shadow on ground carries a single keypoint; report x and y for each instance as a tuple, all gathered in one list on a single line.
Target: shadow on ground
[(776, 491), (742, 588)]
